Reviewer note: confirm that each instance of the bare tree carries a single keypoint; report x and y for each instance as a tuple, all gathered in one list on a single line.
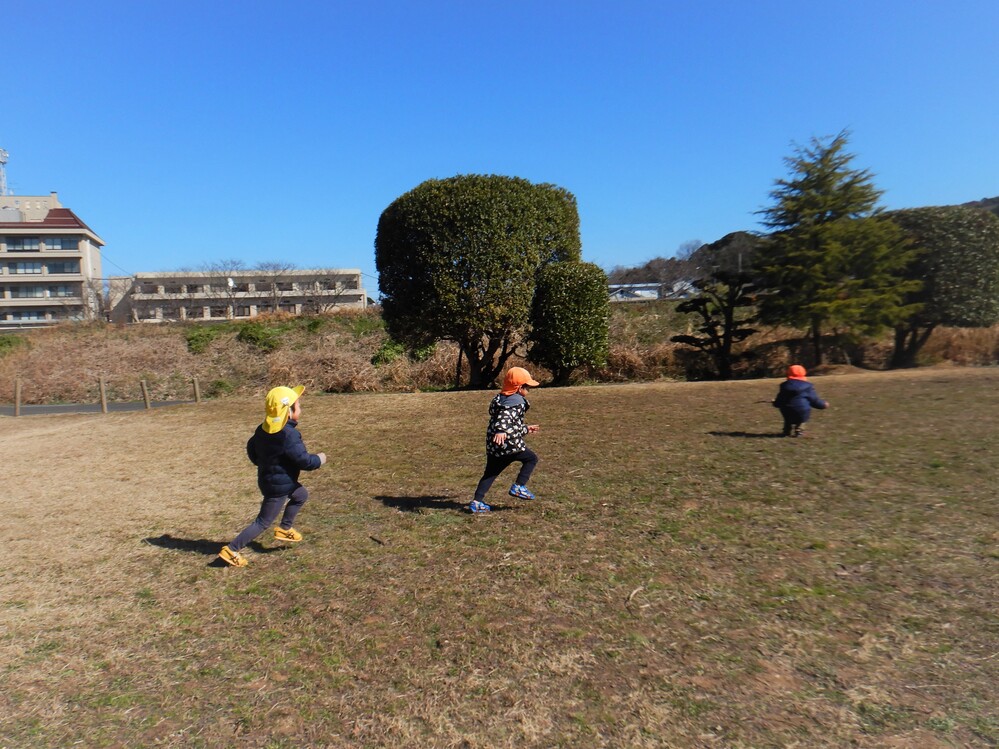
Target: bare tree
[(96, 300), (275, 270), (328, 287), (222, 285)]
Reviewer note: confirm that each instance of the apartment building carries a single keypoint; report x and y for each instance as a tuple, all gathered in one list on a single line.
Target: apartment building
[(50, 263), (233, 295)]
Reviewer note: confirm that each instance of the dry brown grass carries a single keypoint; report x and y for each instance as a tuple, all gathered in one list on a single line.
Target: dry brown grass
[(334, 354), (684, 579)]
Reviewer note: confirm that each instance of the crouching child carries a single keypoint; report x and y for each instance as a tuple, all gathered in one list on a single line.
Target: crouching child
[(796, 399)]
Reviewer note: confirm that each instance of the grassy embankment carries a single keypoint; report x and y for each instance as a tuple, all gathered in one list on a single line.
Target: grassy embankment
[(684, 580), (350, 352)]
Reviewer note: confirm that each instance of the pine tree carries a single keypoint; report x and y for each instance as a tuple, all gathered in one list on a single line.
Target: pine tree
[(831, 259)]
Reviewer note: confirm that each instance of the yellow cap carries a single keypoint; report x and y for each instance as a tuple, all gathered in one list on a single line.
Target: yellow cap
[(279, 403)]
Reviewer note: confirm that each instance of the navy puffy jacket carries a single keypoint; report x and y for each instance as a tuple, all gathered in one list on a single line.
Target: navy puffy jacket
[(279, 459), (798, 396)]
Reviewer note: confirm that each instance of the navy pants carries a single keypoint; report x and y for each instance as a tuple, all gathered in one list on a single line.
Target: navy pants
[(269, 510), (496, 464), (793, 420)]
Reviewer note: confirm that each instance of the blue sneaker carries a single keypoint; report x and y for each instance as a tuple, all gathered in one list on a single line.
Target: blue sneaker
[(476, 507), (521, 492)]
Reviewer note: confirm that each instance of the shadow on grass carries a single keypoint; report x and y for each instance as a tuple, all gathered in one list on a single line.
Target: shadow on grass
[(748, 435), (418, 504), (205, 546)]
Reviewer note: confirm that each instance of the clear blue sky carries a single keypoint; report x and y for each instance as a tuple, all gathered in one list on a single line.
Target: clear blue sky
[(189, 132)]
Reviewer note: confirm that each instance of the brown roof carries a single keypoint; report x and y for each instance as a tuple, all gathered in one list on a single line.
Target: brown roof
[(56, 218)]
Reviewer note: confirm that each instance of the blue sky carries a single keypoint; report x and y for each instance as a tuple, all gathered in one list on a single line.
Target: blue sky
[(190, 132)]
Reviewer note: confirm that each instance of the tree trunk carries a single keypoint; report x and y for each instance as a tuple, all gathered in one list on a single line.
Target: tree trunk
[(908, 342), (561, 376), (724, 363), (485, 362), (457, 369), (475, 366), (817, 341)]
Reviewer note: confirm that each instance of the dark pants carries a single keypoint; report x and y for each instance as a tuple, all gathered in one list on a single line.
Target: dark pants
[(269, 510), (496, 464), (794, 421)]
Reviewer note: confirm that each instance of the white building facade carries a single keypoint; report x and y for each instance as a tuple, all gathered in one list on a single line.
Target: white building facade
[(50, 264), (234, 294)]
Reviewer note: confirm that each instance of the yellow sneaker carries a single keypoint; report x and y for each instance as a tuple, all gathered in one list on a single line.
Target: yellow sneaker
[(232, 558), (287, 535)]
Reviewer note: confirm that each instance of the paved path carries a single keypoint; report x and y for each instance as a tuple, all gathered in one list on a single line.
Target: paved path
[(84, 408)]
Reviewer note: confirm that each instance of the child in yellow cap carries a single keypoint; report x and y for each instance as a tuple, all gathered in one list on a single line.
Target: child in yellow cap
[(505, 438), (277, 450)]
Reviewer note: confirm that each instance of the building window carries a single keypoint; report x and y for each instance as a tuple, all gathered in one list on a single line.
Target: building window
[(28, 314), (62, 290), (67, 266), (62, 243), (22, 268), (242, 311), (27, 292), (22, 244)]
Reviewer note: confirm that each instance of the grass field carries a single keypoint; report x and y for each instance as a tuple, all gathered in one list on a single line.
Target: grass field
[(685, 579)]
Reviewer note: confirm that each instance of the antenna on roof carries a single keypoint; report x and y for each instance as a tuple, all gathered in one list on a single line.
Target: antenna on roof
[(3, 172)]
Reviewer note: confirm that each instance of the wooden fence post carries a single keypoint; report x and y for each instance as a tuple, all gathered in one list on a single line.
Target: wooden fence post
[(17, 397), (197, 391), (104, 396), (145, 393)]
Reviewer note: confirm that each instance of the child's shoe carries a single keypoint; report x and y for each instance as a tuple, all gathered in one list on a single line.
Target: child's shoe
[(289, 534), (232, 558), (475, 507), (521, 492)]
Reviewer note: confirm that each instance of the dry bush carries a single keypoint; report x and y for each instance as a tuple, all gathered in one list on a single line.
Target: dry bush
[(641, 363), (436, 372), (329, 368), (65, 363), (965, 346), (334, 354)]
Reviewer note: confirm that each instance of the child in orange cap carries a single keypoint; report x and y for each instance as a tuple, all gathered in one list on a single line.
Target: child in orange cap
[(796, 399), (505, 438), (277, 450)]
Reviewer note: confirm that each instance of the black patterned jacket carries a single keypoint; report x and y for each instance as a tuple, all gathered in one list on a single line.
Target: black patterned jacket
[(506, 414)]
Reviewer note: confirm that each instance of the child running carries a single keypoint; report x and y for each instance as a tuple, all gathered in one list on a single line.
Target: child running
[(796, 399), (277, 450), (505, 438)]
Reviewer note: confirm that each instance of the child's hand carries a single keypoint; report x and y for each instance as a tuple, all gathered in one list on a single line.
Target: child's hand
[(322, 458), (827, 404), (532, 428), (499, 438)]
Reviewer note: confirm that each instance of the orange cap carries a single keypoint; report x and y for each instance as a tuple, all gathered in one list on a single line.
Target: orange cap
[(796, 372), (515, 377)]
